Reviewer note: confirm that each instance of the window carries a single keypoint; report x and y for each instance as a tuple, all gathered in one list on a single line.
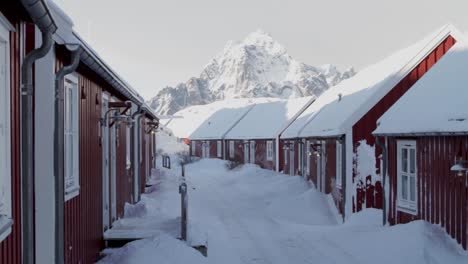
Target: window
[(72, 180), (231, 149), (407, 179), (219, 149), (339, 164), (128, 145), (269, 150), (5, 141), (193, 148)]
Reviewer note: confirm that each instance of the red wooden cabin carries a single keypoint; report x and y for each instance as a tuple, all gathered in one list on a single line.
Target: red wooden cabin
[(97, 162), (426, 140), (340, 154)]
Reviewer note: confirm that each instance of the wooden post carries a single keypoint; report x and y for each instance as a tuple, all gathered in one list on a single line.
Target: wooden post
[(184, 204)]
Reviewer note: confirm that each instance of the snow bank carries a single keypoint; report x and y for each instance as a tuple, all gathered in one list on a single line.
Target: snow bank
[(162, 249), (168, 144)]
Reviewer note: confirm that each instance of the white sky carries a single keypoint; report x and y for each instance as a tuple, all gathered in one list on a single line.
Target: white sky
[(155, 43)]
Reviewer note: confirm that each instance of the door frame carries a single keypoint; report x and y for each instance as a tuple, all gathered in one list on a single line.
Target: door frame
[(246, 152)]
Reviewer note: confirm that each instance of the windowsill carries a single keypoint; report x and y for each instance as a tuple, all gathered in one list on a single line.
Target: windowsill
[(5, 227), (72, 193), (338, 186), (403, 206)]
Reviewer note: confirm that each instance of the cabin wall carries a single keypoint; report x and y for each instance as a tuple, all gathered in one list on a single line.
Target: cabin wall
[(124, 175), (10, 248), (83, 213), (369, 195), (442, 197), (261, 154)]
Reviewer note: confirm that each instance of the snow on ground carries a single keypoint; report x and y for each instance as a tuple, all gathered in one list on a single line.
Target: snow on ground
[(251, 215)]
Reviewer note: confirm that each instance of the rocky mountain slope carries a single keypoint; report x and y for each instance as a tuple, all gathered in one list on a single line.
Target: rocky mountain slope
[(258, 66)]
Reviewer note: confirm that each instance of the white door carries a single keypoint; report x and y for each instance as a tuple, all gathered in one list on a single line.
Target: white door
[(321, 165), (246, 152), (291, 159), (300, 158), (147, 156), (113, 170), (252, 152), (106, 163)]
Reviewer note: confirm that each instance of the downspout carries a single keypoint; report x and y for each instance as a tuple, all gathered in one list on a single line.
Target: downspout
[(384, 176), (41, 16), (59, 150), (342, 141)]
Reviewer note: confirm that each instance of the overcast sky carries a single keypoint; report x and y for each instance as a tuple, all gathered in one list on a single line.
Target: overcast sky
[(155, 43)]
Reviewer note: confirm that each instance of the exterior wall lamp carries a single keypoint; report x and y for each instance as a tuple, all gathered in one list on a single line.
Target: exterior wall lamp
[(153, 127), (118, 115), (316, 150), (461, 167)]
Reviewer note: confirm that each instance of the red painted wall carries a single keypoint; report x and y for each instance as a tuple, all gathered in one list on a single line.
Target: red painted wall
[(83, 213), (362, 130), (442, 197), (10, 248)]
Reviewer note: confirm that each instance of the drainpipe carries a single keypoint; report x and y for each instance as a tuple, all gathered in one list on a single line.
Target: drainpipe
[(41, 16), (384, 176), (342, 141), (137, 132), (59, 154)]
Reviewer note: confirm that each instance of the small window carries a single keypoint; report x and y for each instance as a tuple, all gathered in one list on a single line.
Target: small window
[(128, 146), (219, 149), (193, 147), (5, 139), (72, 180), (407, 177), (269, 150), (339, 164), (231, 149)]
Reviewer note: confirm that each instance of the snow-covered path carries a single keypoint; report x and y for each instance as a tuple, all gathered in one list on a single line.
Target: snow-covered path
[(253, 216)]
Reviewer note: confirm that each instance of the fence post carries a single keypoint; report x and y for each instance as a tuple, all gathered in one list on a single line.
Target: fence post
[(184, 204)]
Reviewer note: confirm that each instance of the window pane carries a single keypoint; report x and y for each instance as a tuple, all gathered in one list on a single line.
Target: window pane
[(413, 188), (412, 160), (404, 187), (404, 160)]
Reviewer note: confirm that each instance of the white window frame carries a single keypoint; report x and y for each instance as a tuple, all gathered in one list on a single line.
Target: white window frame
[(407, 204), (71, 137), (269, 150), (219, 149), (231, 149), (339, 164), (194, 145), (308, 155), (6, 216)]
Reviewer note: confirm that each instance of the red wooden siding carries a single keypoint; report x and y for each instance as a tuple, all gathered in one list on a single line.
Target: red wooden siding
[(261, 154), (83, 213), (10, 248), (362, 130), (442, 197)]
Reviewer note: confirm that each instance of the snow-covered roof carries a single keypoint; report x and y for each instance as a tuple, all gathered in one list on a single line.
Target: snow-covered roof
[(437, 103), (343, 105), (267, 120), (202, 122)]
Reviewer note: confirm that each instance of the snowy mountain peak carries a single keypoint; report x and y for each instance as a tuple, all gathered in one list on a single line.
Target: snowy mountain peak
[(257, 66)]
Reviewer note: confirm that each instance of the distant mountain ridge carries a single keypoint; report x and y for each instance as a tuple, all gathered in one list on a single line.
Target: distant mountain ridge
[(258, 66)]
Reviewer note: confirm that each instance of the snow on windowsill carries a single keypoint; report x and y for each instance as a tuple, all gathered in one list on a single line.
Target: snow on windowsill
[(72, 193)]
